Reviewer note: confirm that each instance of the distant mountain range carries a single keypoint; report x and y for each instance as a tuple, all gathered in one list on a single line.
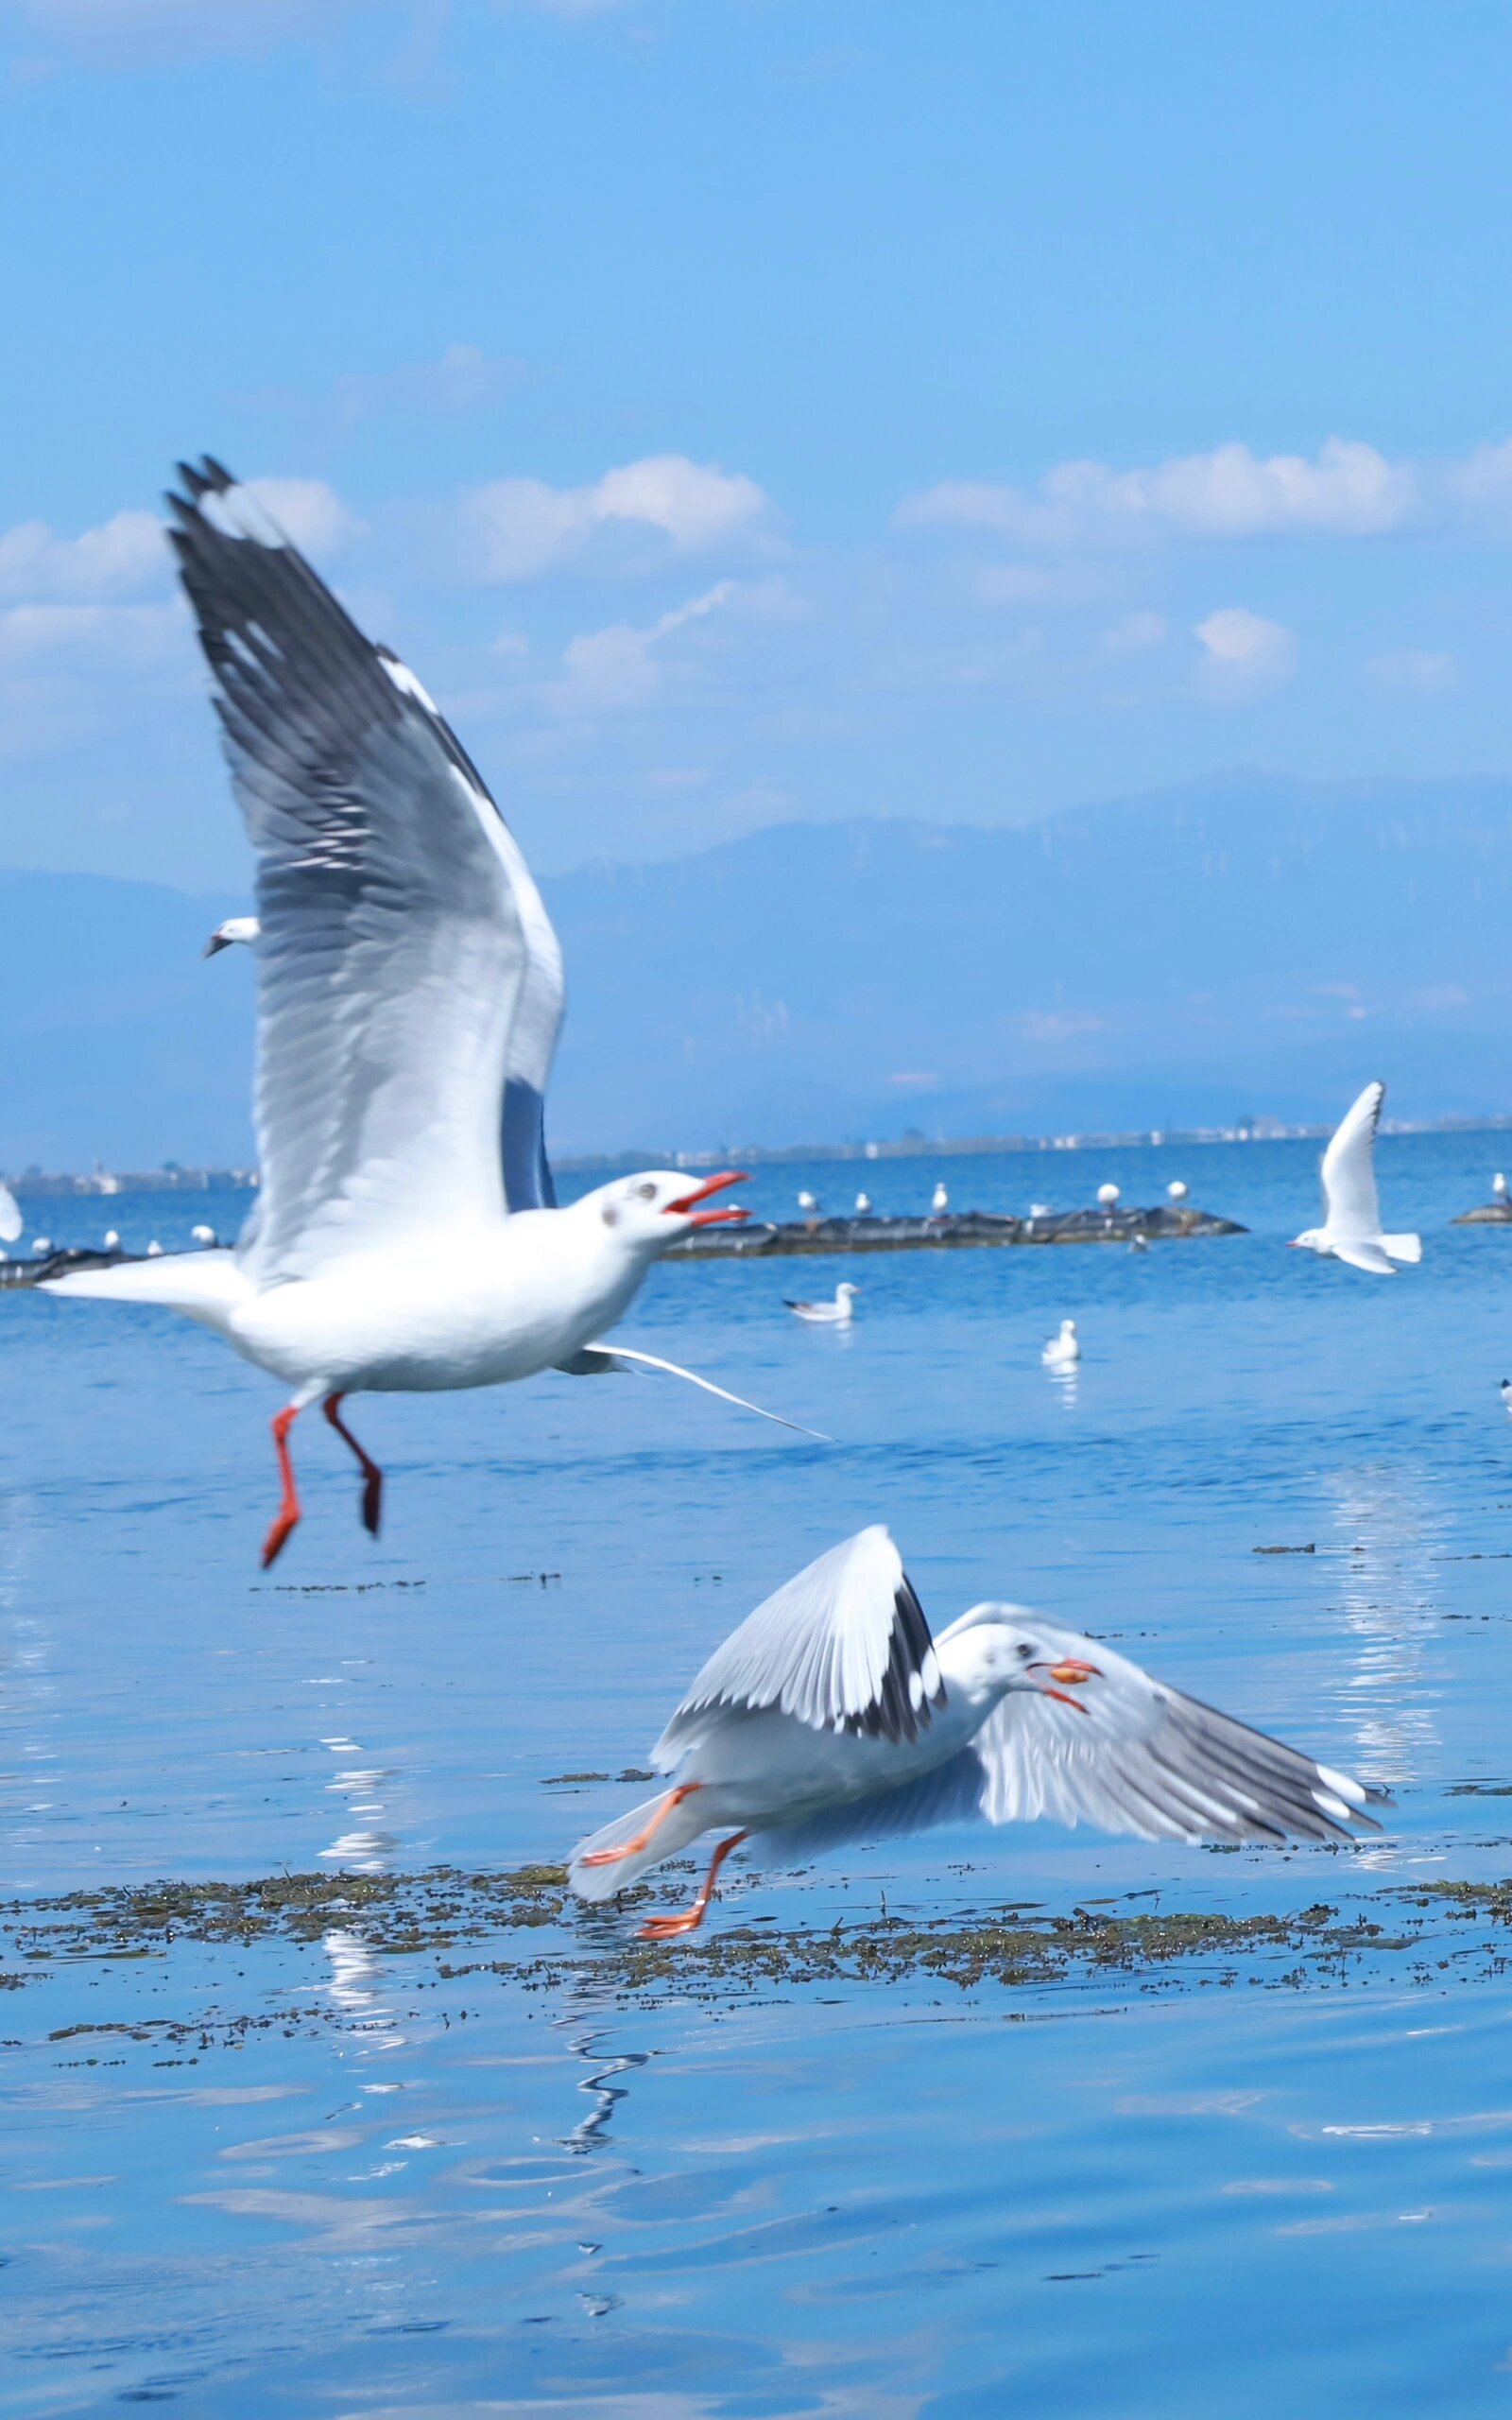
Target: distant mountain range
[(1256, 946)]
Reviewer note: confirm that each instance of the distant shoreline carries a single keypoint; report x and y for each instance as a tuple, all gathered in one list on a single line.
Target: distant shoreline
[(39, 1185)]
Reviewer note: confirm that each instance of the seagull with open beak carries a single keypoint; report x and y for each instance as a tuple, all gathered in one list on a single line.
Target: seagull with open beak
[(833, 1717)]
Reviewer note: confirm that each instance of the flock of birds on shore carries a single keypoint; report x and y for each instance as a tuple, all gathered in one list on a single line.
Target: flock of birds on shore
[(407, 1238)]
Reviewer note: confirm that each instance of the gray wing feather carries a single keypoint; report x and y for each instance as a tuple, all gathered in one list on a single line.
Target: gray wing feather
[(949, 1793), (1351, 1201), (407, 969), (1135, 1755), (843, 1647)]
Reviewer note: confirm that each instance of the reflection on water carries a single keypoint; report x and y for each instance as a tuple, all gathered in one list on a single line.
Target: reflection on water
[(1388, 1526), (601, 2088), (363, 1848)]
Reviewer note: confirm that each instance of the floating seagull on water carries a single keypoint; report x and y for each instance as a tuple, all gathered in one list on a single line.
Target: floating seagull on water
[(941, 1202), (863, 1205), (1063, 1352), (204, 1234), (11, 1221), (1176, 1190), (837, 1314), (807, 1204), (1351, 1224), (1507, 1396), (833, 1717), (235, 928), (1499, 1185), (113, 1241), (42, 1246), (405, 1236)]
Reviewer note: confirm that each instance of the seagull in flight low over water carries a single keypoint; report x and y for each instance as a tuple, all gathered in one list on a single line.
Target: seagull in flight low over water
[(409, 987), (832, 1716), (1352, 1223)]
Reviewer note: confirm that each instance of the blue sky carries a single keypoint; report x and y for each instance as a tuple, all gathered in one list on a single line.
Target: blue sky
[(743, 410)]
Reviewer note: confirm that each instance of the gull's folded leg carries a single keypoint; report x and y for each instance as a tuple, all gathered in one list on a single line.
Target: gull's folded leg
[(372, 1492)]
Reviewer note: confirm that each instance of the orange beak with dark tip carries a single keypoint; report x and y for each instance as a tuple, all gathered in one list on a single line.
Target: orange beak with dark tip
[(1073, 1673), (687, 1208)]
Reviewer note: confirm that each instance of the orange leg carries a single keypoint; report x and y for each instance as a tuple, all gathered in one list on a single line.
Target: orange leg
[(667, 1928), (372, 1490), (288, 1510), (633, 1848)]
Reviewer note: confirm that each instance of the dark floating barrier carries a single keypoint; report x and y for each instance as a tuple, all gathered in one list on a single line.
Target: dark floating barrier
[(952, 1230), (58, 1263), (1486, 1214)]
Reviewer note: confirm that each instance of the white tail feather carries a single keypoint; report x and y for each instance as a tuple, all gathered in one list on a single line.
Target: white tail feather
[(206, 1286), (682, 1824)]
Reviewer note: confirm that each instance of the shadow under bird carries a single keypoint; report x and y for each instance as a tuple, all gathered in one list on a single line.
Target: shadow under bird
[(409, 992), (832, 1716), (1351, 1205)]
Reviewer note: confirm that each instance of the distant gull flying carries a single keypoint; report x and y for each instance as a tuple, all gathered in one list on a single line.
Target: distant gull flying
[(235, 928), (1351, 1225), (831, 1716), (409, 987), (837, 1314)]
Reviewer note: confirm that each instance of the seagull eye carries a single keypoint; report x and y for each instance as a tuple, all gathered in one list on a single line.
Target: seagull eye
[(647, 1192), (1025, 1653)]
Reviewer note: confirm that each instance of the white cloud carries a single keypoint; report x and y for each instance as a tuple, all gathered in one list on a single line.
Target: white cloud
[(1245, 655), (1349, 489), (1416, 672), (308, 511), (1135, 633), (634, 515), (614, 668), (124, 553)]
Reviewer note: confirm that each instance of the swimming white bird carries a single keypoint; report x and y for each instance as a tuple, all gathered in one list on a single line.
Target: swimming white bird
[(1108, 1195), (1063, 1352), (203, 1234), (42, 1246), (1351, 1224), (1176, 1190), (1507, 1396), (155, 1250), (1040, 1210), (941, 1202), (113, 1241), (11, 1221), (1499, 1185), (409, 992), (863, 1205), (837, 1314), (245, 930), (831, 1716), (807, 1202)]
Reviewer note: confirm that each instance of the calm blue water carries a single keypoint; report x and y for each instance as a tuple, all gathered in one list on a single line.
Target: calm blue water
[(1131, 2196)]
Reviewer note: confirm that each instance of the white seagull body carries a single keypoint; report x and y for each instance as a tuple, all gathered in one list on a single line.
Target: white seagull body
[(1352, 1223), (837, 1314), (939, 1202), (409, 985), (1063, 1351), (833, 1716)]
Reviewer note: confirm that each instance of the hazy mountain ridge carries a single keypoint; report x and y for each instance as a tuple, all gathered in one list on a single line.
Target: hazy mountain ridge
[(1253, 945)]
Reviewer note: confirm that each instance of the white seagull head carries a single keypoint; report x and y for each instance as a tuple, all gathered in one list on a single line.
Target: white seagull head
[(651, 1211), (995, 1650), (1311, 1239), (235, 928)]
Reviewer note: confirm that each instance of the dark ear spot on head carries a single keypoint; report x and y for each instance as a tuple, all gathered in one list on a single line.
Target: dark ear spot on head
[(609, 1215)]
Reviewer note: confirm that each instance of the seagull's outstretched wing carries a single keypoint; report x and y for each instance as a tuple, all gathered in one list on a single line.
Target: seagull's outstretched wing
[(1352, 1204), (1131, 1754), (410, 981), (843, 1647), (1359, 1254), (10, 1219)]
